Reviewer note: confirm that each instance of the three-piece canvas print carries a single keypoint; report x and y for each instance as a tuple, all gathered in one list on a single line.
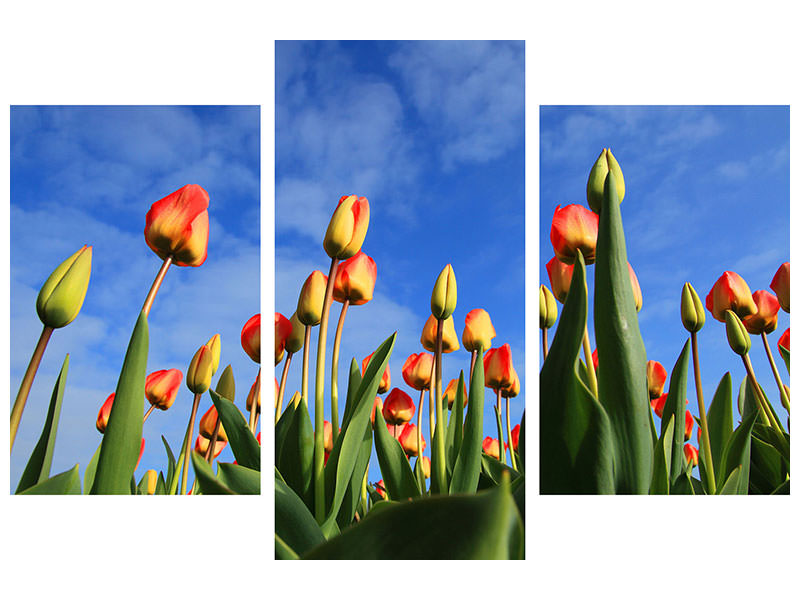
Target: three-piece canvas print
[(396, 420)]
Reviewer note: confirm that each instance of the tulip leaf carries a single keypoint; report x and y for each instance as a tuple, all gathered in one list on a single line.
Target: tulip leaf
[(455, 427), (68, 482), (239, 479), (785, 356), (474, 526), (398, 478), (782, 489), (576, 446), (622, 383), (283, 551), (769, 436), (353, 382), (294, 523), (662, 460), (467, 468), (161, 485), (675, 407), (170, 462), (90, 471), (521, 444), (720, 422), (38, 467), (737, 453), (119, 451), (282, 427), (767, 467), (352, 496), (494, 469), (296, 461), (683, 485), (243, 443), (207, 482), (732, 483)]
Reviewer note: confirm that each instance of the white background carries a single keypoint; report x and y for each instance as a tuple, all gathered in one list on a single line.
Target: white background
[(223, 53)]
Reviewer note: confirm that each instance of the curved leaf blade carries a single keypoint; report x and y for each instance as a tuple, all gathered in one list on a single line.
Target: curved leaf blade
[(243, 443), (68, 482), (467, 468), (294, 523), (398, 478)]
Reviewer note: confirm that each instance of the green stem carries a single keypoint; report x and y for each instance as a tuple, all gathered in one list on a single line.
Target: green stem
[(304, 383), (27, 381), (587, 354), (282, 389), (147, 414), (431, 400), (187, 444), (499, 414), (420, 475), (438, 441), (335, 371), (473, 357), (706, 447), (508, 430), (255, 409), (759, 396), (781, 389)]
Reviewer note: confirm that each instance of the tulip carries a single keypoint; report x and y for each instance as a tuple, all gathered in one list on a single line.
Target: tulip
[(398, 408), (574, 230), (386, 379), (258, 438), (765, 319), (784, 341), (498, 368), (312, 298), (355, 280), (595, 360), (426, 467), (377, 405), (449, 395), (657, 404), (692, 455), (254, 394), (327, 436), (295, 340), (202, 444), (478, 330), (105, 412), (693, 316), (347, 228), (151, 476), (443, 297), (511, 391), (688, 426), (449, 337), (730, 292), (548, 310), (637, 291), (294, 343), (656, 378), (491, 447), (780, 285), (408, 439), (283, 329), (198, 375), (209, 422), (176, 226), (251, 335), (161, 387), (738, 338), (215, 346), (417, 371), (597, 179), (379, 487), (515, 438), (560, 275), (61, 297)]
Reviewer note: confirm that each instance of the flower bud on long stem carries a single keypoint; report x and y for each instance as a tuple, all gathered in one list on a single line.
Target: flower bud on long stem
[(775, 373), (335, 371), (282, 390), (706, 445), (27, 381), (304, 383)]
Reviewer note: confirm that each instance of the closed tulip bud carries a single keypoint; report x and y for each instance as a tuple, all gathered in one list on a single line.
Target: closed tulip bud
[(491, 447), (548, 309), (443, 298), (327, 436), (478, 330), (597, 179), (386, 379), (498, 368), (201, 445), (780, 285), (347, 228), (61, 297), (692, 455), (765, 319), (426, 467), (312, 297), (730, 292), (408, 440), (380, 488), (515, 438), (398, 408), (376, 406), (656, 378), (688, 426), (574, 229), (449, 395), (296, 339), (161, 387), (738, 338), (637, 291), (102, 416), (283, 329), (355, 280), (226, 386), (417, 371), (198, 375), (784, 341), (208, 422), (255, 394), (513, 390), (215, 346), (177, 226), (560, 278), (449, 337), (151, 477), (693, 316)]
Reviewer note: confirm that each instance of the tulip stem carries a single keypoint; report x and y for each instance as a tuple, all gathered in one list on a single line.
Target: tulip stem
[(705, 447), (151, 295), (147, 414), (319, 405), (255, 409), (499, 414), (438, 441), (27, 381), (544, 344), (781, 389), (508, 431), (364, 496), (759, 396), (420, 480), (213, 443), (282, 390), (187, 443), (587, 354), (304, 383), (335, 371), (472, 359), (431, 410)]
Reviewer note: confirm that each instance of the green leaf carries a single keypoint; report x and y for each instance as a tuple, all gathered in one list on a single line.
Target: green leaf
[(494, 469), (467, 469), (783, 489), (68, 482), (767, 467), (622, 383), (778, 441), (662, 459), (226, 385), (283, 551), (161, 485), (91, 470), (475, 526), (737, 453), (296, 461), (720, 422), (239, 479), (398, 478), (207, 483), (732, 483), (38, 467), (785, 356), (675, 406), (243, 443), (353, 383), (170, 462), (576, 446), (294, 523), (282, 427), (119, 451), (352, 496), (455, 427)]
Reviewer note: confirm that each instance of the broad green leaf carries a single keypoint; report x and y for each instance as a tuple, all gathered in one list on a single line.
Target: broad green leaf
[(622, 382), (296, 461), (518, 491), (170, 463), (119, 451), (662, 459), (576, 446), (683, 485), (353, 382), (91, 469), (474, 526), (38, 467), (243, 443), (207, 483), (68, 482), (467, 469), (282, 550), (720, 422), (239, 479), (737, 453), (767, 471), (494, 469), (455, 427), (141, 487), (783, 489), (282, 427), (226, 385), (676, 406), (732, 483), (398, 478), (294, 523), (352, 497), (161, 485), (785, 356), (769, 436)]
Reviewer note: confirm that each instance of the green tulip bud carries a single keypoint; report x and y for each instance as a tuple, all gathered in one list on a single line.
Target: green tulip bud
[(296, 339), (738, 338), (597, 179), (198, 375), (693, 315), (443, 298), (226, 386), (61, 297), (548, 310)]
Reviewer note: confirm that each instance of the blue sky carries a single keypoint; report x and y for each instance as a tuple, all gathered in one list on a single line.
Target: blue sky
[(706, 191), (88, 175), (432, 133)]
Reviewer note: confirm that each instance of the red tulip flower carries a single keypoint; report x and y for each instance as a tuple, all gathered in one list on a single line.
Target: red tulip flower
[(251, 335), (765, 319), (161, 387), (687, 434), (780, 285), (656, 377), (574, 228), (376, 406), (386, 379), (177, 226), (692, 455), (478, 330), (491, 447), (208, 422), (417, 371), (327, 435), (595, 360), (449, 337), (347, 228), (408, 440), (657, 404), (398, 408), (201, 445), (515, 438), (380, 488), (783, 342), (560, 278), (511, 391), (498, 367), (730, 292), (255, 394), (105, 411), (355, 280), (449, 395)]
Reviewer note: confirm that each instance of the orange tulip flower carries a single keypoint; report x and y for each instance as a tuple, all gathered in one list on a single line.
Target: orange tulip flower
[(478, 330), (637, 291), (780, 285), (376, 406), (386, 379), (251, 335), (784, 339), (255, 394), (449, 395), (417, 371), (208, 422), (449, 337), (426, 467), (574, 228), (355, 280), (201, 445), (515, 438), (491, 447), (312, 297), (689, 425), (656, 378), (730, 292), (408, 440), (765, 319), (327, 436), (102, 416), (560, 278), (398, 408), (161, 387), (177, 226), (347, 228), (692, 455), (511, 391), (380, 488), (498, 368)]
